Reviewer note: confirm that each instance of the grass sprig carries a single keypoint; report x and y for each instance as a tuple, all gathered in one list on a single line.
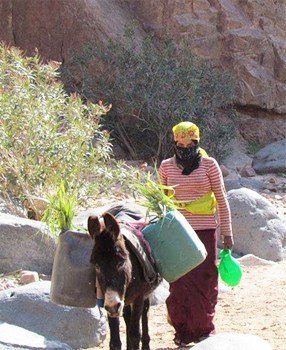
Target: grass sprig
[(61, 210), (158, 197)]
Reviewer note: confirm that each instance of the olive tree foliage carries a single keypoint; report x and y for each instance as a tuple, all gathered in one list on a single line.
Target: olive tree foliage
[(153, 85), (46, 135)]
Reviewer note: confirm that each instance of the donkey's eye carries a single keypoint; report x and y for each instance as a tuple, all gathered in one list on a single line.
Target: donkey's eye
[(117, 249)]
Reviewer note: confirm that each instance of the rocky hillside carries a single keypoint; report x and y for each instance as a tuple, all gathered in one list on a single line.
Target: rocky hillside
[(246, 36)]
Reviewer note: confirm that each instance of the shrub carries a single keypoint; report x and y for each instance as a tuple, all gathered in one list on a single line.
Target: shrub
[(47, 135), (152, 86)]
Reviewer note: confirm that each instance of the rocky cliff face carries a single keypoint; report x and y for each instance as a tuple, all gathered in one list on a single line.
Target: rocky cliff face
[(245, 36)]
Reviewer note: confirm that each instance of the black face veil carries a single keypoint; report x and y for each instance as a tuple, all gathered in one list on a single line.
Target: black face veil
[(188, 157)]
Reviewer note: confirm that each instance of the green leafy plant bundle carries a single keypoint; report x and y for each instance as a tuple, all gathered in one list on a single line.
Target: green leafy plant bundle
[(158, 198), (61, 210)]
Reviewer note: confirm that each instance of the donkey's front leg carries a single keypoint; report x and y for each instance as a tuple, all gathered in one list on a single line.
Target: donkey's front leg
[(134, 333), (115, 342), (127, 319), (145, 328)]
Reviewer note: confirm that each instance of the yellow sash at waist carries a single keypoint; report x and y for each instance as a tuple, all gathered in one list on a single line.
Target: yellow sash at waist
[(204, 205)]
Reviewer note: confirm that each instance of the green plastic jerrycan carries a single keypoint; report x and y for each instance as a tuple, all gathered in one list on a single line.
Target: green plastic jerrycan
[(175, 246), (229, 268)]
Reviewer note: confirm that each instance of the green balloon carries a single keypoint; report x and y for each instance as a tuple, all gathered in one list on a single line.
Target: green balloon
[(229, 268)]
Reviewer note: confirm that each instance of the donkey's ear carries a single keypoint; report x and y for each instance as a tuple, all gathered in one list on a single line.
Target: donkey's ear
[(93, 226), (111, 224)]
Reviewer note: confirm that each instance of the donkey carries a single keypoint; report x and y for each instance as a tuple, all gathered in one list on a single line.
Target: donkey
[(123, 283)]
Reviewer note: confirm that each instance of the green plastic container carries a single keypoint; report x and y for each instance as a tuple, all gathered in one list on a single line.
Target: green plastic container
[(229, 268), (175, 245)]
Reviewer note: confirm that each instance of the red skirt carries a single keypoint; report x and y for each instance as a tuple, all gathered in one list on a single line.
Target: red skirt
[(193, 297)]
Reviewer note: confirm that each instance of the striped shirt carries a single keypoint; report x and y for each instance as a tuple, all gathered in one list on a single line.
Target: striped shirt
[(207, 177)]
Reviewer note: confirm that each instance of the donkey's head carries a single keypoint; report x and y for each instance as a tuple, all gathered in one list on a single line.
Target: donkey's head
[(111, 260)]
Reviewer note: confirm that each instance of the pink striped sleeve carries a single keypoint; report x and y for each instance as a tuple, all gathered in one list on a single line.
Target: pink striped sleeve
[(162, 175), (217, 185)]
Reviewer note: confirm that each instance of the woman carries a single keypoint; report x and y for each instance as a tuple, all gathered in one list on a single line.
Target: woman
[(193, 297)]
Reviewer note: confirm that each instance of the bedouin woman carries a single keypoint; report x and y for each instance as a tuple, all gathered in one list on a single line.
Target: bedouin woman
[(193, 297)]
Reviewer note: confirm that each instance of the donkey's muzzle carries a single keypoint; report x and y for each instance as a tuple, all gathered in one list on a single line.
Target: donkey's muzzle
[(113, 304), (114, 310)]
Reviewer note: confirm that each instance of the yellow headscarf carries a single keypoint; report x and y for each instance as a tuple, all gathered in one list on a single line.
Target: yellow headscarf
[(185, 132)]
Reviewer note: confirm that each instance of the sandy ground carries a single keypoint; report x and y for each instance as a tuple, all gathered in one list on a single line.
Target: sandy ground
[(256, 306)]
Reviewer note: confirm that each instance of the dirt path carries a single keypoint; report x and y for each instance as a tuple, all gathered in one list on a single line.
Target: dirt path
[(257, 306)]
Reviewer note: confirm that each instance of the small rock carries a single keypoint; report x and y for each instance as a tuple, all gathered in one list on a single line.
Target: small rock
[(252, 260), (224, 170), (223, 288), (271, 187), (247, 171), (29, 277), (35, 207), (44, 277)]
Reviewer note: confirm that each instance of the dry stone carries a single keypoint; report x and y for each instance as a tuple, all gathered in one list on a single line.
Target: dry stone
[(17, 338), (252, 260), (29, 277), (246, 37), (271, 158), (247, 171), (233, 341), (33, 311), (259, 228), (25, 244), (55, 27)]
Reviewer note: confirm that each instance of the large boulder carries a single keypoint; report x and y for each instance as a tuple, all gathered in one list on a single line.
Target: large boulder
[(56, 27), (233, 341), (29, 307), (14, 338), (259, 228), (271, 158), (245, 37), (25, 244)]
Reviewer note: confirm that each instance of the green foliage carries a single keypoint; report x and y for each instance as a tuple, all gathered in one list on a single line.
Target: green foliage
[(152, 86), (47, 135), (158, 198), (61, 210)]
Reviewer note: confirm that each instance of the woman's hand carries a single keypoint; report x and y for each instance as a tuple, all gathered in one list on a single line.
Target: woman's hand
[(227, 242)]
